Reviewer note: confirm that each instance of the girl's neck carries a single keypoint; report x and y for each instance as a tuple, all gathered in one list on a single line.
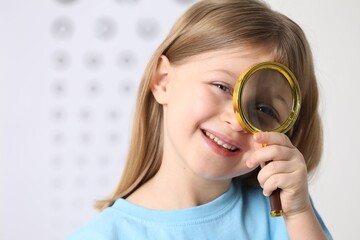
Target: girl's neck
[(177, 190)]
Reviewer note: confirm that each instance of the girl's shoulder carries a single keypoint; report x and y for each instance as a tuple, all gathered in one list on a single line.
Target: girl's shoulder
[(101, 227)]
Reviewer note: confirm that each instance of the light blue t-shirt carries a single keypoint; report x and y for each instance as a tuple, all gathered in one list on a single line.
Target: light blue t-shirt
[(240, 213)]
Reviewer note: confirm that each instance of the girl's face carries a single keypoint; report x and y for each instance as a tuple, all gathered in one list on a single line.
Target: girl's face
[(202, 136)]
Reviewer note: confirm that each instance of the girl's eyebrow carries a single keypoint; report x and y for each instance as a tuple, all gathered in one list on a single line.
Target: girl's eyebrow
[(227, 72), (283, 101)]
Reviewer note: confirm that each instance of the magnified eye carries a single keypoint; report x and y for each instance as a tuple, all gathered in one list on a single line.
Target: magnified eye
[(267, 97), (268, 110), (263, 116)]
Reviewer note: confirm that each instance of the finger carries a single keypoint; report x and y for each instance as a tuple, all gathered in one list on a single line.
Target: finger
[(273, 138), (272, 153), (275, 167), (273, 183)]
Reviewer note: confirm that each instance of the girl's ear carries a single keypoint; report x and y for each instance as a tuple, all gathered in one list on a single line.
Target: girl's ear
[(161, 79)]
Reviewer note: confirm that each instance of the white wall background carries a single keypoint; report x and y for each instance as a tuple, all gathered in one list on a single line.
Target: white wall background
[(69, 70)]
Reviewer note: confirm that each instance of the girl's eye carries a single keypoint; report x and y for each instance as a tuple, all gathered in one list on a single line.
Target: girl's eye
[(223, 87), (269, 111)]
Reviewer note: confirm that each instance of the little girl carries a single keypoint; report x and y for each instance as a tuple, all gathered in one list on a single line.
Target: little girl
[(192, 170)]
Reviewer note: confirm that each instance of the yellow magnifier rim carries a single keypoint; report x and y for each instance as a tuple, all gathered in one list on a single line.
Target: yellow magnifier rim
[(295, 91)]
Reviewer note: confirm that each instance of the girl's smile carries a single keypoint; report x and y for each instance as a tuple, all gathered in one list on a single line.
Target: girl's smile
[(221, 146)]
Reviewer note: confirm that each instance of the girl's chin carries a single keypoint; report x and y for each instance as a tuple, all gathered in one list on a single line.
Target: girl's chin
[(223, 175)]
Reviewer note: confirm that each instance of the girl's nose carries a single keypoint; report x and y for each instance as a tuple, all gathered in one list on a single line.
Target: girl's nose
[(230, 118)]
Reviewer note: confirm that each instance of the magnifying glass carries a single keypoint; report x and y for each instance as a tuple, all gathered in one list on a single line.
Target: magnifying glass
[(267, 98)]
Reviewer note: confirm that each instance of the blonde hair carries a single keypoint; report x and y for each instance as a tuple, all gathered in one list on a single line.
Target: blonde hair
[(212, 25)]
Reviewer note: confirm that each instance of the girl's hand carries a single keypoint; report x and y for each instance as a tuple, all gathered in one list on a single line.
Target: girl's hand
[(285, 169)]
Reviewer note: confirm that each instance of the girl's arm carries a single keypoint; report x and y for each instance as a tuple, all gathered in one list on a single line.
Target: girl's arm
[(304, 225)]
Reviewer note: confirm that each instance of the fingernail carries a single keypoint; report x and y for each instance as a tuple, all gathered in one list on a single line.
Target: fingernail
[(266, 195), (257, 136)]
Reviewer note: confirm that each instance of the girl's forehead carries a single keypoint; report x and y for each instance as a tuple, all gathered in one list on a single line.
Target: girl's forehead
[(236, 59), (230, 54)]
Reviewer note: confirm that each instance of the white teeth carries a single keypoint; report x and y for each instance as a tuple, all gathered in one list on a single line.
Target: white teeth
[(220, 142)]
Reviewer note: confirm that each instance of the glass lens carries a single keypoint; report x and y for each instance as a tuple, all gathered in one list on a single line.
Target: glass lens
[(267, 99)]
